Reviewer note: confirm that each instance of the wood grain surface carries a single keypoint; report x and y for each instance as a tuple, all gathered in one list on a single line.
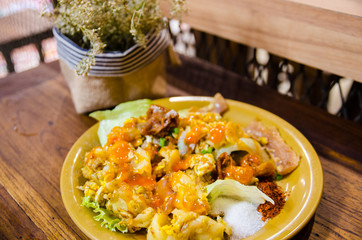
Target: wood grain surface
[(323, 34), (38, 126), (352, 7)]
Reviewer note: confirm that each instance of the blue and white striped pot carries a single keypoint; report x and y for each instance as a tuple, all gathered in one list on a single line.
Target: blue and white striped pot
[(113, 63), (138, 72)]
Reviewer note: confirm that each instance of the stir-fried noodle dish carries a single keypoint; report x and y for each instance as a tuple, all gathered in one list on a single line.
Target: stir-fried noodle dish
[(185, 175)]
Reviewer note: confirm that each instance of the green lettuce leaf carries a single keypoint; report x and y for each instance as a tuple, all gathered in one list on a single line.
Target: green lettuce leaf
[(104, 216), (117, 116)]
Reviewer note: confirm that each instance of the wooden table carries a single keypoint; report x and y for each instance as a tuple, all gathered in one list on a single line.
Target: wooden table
[(38, 126)]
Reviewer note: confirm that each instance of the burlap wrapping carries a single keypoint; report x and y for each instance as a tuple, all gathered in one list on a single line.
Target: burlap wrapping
[(138, 72), (91, 93)]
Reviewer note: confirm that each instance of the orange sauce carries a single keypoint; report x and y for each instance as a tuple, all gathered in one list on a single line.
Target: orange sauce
[(117, 134), (217, 133), (244, 175), (155, 202), (124, 172), (91, 156), (119, 152), (182, 164), (119, 156), (144, 181), (195, 134), (250, 159), (127, 133)]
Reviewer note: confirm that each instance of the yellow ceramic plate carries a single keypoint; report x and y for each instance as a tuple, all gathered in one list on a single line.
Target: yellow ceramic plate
[(304, 185)]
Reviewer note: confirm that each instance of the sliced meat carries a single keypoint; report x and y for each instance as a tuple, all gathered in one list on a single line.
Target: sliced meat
[(160, 121), (218, 105), (286, 160)]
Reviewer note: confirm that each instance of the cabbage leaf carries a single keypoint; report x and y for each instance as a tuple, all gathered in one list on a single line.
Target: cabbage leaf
[(230, 188), (117, 116), (244, 144)]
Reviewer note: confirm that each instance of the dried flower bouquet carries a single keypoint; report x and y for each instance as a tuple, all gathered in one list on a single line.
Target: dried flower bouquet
[(110, 25)]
